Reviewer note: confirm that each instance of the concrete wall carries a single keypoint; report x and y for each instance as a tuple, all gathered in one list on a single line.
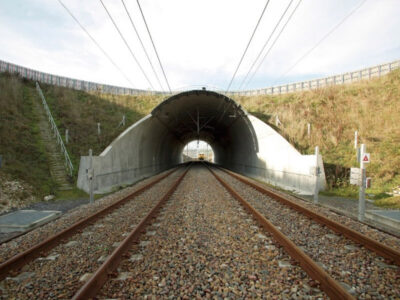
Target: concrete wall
[(245, 144), (143, 149), (279, 163)]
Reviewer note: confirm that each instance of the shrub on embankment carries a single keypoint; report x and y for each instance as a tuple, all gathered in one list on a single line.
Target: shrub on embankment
[(371, 107)]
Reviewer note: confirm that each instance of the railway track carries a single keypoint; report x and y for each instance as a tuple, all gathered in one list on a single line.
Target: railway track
[(367, 268), (204, 245), (68, 257), (188, 235)]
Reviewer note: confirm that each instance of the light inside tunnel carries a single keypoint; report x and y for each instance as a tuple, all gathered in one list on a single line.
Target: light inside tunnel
[(198, 150)]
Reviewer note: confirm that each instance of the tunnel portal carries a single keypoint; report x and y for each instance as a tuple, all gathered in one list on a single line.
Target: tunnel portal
[(240, 142)]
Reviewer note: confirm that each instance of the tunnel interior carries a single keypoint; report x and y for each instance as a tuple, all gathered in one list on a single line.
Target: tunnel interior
[(208, 116)]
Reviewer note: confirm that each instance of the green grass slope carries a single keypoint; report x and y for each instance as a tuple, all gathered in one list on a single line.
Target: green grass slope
[(24, 156), (79, 112), (371, 107)]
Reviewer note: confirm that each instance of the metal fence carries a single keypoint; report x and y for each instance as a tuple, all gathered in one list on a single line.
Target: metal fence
[(349, 77), (68, 163), (75, 84), (88, 86)]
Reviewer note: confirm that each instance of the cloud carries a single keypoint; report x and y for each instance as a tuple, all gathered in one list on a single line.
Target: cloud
[(199, 42)]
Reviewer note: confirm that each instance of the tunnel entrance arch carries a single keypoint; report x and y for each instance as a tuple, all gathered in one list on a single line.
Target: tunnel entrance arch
[(240, 142)]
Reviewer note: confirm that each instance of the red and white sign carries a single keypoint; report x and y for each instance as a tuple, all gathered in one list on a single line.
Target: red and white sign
[(366, 158)]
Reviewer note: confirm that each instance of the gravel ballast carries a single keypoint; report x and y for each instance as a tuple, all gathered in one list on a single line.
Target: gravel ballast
[(364, 273), (34, 237), (61, 273), (204, 245)]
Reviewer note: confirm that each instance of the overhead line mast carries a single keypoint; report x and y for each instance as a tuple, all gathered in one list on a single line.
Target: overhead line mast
[(96, 43), (126, 43)]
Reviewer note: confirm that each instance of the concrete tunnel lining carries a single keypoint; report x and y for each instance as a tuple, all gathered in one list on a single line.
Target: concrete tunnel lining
[(240, 142)]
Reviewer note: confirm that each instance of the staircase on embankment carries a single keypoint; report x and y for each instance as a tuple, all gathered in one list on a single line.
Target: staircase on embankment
[(56, 158)]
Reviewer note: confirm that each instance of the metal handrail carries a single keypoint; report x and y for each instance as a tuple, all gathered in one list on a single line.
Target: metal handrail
[(68, 163)]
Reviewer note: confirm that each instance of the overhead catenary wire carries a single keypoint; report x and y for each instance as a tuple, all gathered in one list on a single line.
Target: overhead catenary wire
[(96, 43), (265, 44), (248, 44), (273, 43), (141, 43), (127, 45), (322, 39), (154, 46)]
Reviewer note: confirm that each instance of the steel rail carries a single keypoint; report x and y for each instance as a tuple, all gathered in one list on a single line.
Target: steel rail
[(329, 285), (100, 277), (373, 245), (21, 259)]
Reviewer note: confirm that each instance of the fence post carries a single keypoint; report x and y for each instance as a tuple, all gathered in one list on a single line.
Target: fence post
[(355, 139), (98, 129), (309, 130), (66, 136), (277, 121)]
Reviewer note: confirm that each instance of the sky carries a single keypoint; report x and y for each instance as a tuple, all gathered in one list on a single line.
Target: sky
[(199, 43)]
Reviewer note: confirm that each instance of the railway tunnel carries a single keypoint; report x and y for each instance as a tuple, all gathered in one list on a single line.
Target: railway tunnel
[(240, 142)]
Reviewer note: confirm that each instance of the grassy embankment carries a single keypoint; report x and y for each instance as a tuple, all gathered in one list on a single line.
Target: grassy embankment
[(24, 155), (371, 107)]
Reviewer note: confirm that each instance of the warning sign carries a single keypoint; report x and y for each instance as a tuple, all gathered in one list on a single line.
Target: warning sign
[(366, 158)]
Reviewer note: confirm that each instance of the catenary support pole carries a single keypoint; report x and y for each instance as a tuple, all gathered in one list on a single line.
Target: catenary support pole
[(91, 174), (316, 191), (361, 201)]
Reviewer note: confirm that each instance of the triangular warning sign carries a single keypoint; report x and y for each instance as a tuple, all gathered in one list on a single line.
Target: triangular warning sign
[(365, 158)]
